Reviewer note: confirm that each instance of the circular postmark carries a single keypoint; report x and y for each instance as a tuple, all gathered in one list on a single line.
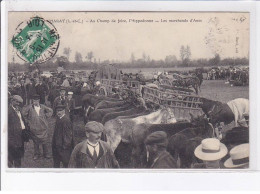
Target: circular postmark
[(36, 40)]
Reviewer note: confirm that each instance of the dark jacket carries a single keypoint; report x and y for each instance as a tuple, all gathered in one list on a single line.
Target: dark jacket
[(165, 160), (81, 157), (39, 125), (14, 129), (71, 104), (63, 134), (30, 90), (41, 89)]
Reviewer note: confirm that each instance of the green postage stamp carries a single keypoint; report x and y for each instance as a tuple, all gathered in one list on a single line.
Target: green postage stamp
[(36, 40)]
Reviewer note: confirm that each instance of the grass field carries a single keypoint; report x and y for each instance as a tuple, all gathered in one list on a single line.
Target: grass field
[(212, 89)]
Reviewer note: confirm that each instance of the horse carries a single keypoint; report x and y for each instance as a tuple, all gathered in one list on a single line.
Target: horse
[(180, 142), (226, 112), (141, 131), (121, 129), (236, 136), (98, 114), (187, 82), (132, 111), (182, 148), (89, 101), (109, 104), (121, 137)]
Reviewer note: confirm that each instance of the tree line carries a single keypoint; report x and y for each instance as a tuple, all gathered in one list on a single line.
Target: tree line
[(170, 61)]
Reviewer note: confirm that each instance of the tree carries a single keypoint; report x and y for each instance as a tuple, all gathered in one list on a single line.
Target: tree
[(170, 59), (148, 59), (182, 53), (188, 52), (62, 61), (185, 55), (215, 61), (67, 52), (132, 58), (78, 57), (144, 56), (89, 56)]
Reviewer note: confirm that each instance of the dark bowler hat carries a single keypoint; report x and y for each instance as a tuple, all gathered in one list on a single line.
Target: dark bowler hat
[(62, 88), (158, 138), (60, 107), (94, 126), (36, 97)]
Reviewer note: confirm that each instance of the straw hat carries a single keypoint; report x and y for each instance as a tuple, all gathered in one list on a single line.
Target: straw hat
[(210, 149), (239, 156)]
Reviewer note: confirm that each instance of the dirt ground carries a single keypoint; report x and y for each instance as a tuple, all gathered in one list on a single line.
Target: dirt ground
[(212, 89)]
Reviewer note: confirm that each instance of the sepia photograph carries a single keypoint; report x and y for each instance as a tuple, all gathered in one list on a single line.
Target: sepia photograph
[(128, 90)]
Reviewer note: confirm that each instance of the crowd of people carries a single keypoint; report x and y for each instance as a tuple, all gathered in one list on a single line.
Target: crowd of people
[(28, 119), (240, 75)]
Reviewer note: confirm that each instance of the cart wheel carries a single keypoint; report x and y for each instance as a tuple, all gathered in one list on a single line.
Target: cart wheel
[(102, 91)]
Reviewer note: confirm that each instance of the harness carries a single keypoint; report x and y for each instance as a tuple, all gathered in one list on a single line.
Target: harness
[(89, 107), (211, 109)]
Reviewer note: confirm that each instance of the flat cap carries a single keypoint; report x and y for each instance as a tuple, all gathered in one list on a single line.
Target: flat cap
[(60, 107), (94, 126), (17, 98), (158, 138)]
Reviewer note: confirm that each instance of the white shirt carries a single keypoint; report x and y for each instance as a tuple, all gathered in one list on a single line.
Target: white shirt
[(20, 117), (92, 146), (37, 109), (62, 116)]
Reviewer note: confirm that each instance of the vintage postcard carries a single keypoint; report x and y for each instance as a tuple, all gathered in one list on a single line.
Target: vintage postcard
[(150, 95), (129, 90)]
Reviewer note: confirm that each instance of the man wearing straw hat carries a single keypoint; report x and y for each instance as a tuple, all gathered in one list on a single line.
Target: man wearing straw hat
[(210, 151), (239, 157)]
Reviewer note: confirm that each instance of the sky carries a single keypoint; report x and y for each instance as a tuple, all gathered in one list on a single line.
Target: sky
[(206, 33)]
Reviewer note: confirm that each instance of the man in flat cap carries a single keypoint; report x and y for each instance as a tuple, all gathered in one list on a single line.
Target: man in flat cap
[(36, 115), (62, 141), (92, 152), (16, 126), (156, 144)]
